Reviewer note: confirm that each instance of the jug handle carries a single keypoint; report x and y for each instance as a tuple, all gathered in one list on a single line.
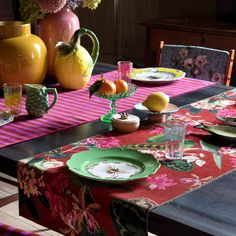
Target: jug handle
[(54, 91), (75, 40)]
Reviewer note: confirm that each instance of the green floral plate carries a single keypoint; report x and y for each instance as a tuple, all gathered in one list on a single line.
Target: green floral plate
[(113, 165), (223, 131), (157, 75)]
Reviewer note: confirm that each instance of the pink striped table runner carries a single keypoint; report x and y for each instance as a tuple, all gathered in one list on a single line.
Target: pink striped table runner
[(75, 108)]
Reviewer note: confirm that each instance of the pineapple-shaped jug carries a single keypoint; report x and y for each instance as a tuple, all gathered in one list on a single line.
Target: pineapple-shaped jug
[(37, 99)]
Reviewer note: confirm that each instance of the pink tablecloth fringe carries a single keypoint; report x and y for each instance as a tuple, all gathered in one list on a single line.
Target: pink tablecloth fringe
[(75, 108)]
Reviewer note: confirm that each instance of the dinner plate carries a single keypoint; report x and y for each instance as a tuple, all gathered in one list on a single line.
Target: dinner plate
[(5, 118), (169, 109), (157, 75), (227, 120), (113, 165), (223, 131)]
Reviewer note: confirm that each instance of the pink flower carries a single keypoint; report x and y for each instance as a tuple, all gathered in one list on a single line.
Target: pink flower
[(188, 63), (196, 180), (160, 182), (106, 142), (201, 61), (183, 52), (218, 78), (229, 151), (82, 214), (233, 161), (51, 6), (196, 72)]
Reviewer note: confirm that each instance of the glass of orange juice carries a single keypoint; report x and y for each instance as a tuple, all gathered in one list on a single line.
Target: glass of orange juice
[(12, 96)]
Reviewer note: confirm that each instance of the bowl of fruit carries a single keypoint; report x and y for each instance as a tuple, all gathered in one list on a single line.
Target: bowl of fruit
[(112, 91)]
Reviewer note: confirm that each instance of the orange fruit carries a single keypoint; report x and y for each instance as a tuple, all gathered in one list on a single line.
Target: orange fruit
[(121, 86), (107, 87)]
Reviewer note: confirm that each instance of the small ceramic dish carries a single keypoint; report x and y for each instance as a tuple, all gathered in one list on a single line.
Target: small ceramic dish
[(157, 117), (125, 122), (5, 118)]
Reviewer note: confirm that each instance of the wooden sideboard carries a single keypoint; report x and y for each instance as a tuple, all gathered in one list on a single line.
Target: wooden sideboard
[(188, 31)]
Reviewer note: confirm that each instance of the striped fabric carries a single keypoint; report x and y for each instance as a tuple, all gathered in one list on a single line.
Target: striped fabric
[(74, 108), (6, 230)]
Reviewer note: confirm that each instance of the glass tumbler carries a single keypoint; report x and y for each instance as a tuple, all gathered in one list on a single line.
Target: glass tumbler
[(174, 139), (125, 70), (12, 96)]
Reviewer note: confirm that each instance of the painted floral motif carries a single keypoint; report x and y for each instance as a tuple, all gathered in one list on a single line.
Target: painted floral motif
[(218, 78), (227, 112), (233, 161), (143, 202), (229, 151), (194, 157), (196, 181), (105, 141), (81, 213), (30, 181), (72, 203), (216, 104), (189, 118), (160, 182), (156, 130)]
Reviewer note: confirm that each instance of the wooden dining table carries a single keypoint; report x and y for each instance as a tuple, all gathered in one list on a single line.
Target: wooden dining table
[(208, 210)]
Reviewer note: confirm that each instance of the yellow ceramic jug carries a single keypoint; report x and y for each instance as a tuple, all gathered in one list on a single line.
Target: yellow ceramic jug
[(23, 56)]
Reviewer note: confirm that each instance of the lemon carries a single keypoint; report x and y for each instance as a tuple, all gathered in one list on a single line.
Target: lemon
[(156, 101)]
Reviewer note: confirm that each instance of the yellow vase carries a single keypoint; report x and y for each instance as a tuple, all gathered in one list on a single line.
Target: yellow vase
[(23, 56)]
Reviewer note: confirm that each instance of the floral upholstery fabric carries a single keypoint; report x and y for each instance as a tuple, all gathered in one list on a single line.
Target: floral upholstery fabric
[(198, 62)]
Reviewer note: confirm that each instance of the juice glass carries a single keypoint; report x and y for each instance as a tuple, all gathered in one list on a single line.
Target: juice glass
[(13, 97)]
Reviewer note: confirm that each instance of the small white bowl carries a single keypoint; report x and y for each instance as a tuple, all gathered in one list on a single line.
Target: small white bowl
[(125, 122)]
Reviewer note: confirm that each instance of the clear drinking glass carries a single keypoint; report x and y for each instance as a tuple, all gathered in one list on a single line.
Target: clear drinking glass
[(12, 96), (174, 139), (125, 70)]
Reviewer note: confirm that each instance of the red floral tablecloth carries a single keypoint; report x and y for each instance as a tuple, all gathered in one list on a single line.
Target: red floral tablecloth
[(74, 108), (53, 196)]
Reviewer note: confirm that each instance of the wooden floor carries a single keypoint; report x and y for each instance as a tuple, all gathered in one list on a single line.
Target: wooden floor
[(9, 213)]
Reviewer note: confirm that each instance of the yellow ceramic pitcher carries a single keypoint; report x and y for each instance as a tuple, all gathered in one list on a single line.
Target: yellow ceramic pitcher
[(73, 64), (22, 55)]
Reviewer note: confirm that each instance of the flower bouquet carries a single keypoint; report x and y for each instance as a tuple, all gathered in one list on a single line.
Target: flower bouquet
[(32, 10)]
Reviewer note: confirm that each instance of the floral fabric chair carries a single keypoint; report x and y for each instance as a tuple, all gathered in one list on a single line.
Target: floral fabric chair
[(198, 62)]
